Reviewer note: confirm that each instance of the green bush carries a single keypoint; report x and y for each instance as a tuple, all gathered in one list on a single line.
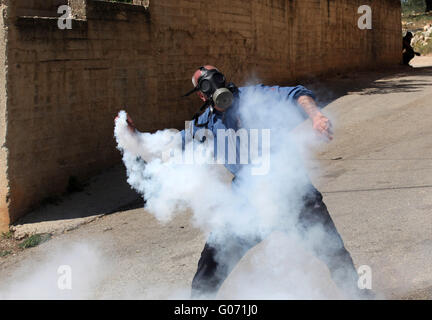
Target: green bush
[(35, 240), (424, 49)]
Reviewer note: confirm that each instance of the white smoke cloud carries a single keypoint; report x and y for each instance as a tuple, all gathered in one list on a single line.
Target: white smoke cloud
[(257, 206), (280, 268), (47, 277), (253, 208)]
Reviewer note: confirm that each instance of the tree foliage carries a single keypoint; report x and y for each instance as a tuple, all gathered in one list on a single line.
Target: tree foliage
[(413, 5)]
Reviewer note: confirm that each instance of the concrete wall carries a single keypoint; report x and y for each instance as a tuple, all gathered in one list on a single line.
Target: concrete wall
[(41, 8), (64, 87), (4, 185)]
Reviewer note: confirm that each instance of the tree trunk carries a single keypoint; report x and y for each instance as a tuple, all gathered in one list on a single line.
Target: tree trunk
[(428, 5)]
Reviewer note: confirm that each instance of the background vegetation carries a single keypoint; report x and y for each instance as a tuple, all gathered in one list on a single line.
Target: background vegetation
[(417, 18), (417, 6)]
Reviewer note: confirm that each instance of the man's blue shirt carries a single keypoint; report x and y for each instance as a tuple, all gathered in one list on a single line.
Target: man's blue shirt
[(231, 119)]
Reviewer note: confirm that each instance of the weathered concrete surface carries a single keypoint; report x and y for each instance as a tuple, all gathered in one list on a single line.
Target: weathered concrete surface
[(378, 194), (4, 187)]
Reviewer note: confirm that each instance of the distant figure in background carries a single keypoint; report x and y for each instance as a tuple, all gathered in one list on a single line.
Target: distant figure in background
[(408, 51), (428, 5)]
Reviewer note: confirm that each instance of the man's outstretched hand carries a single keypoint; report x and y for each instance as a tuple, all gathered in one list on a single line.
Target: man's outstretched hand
[(131, 125), (323, 126)]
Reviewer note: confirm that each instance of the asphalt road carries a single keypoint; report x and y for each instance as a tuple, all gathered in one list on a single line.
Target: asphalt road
[(376, 178)]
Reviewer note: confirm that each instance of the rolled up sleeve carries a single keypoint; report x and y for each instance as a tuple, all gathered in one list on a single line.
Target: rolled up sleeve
[(296, 92)]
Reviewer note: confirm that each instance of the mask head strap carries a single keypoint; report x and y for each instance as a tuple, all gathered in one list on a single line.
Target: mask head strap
[(203, 72)]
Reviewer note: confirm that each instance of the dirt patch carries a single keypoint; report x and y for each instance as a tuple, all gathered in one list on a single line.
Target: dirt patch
[(10, 246)]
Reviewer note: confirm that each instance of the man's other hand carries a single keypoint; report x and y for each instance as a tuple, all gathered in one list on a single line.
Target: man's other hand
[(322, 126), (131, 125)]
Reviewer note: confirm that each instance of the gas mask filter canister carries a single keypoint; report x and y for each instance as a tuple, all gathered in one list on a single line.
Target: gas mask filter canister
[(223, 98), (212, 84)]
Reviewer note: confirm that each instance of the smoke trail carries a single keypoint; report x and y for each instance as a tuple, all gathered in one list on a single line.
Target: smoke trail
[(253, 207)]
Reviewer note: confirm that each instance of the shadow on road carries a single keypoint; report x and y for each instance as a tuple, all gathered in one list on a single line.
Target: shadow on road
[(103, 194), (397, 80)]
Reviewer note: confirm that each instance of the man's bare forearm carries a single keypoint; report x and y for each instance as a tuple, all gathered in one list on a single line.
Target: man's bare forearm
[(309, 106), (319, 121)]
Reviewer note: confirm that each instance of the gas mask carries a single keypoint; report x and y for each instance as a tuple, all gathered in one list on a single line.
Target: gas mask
[(212, 84)]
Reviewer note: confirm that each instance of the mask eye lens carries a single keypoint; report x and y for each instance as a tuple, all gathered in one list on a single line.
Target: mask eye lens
[(205, 86), (219, 78)]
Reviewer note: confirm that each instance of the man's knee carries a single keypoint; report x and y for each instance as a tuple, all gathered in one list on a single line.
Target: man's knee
[(216, 262), (314, 212), (316, 224)]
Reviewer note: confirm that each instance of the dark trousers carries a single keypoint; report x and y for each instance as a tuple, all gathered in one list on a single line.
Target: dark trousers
[(217, 260)]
